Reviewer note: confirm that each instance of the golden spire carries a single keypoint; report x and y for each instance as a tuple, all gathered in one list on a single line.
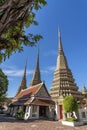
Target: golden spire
[(63, 82), (23, 81), (61, 60), (84, 90), (59, 39), (36, 76)]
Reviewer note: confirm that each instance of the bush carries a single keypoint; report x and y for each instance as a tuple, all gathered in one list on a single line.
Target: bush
[(70, 104), (71, 119), (20, 114)]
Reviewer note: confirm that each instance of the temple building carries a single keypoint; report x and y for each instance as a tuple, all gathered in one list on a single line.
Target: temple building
[(84, 92), (35, 100), (63, 82)]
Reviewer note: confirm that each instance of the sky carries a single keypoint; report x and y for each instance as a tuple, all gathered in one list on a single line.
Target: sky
[(71, 15)]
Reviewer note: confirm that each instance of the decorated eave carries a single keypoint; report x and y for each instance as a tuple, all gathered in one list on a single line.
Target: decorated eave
[(43, 102), (39, 102)]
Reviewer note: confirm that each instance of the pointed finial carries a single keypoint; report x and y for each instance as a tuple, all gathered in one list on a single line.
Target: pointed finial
[(84, 90), (37, 61), (38, 50), (26, 62), (36, 76), (61, 60), (25, 66), (23, 81), (59, 39), (59, 32), (83, 87)]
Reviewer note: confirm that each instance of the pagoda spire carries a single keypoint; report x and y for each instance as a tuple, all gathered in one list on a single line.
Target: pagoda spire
[(60, 41), (36, 76), (63, 82), (84, 90), (61, 59), (23, 81)]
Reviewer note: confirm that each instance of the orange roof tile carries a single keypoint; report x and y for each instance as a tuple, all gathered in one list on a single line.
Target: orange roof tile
[(29, 91), (21, 102)]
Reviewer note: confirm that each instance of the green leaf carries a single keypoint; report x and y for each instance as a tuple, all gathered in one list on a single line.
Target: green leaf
[(3, 86)]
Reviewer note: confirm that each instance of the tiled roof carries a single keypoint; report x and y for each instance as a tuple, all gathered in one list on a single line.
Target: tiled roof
[(39, 102), (29, 91), (21, 102), (18, 103), (24, 97)]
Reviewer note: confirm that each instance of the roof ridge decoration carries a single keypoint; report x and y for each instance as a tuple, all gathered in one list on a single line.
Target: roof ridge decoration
[(32, 87)]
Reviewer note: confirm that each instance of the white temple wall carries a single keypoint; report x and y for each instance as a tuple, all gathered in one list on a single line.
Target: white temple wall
[(34, 113), (83, 114)]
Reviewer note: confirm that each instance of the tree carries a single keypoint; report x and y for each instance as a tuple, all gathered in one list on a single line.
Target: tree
[(3, 86), (70, 104), (15, 15)]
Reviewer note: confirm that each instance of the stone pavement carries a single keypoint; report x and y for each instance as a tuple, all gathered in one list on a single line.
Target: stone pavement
[(10, 123)]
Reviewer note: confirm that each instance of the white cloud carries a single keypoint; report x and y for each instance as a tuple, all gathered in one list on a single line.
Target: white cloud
[(30, 72), (48, 70), (12, 71), (10, 79), (16, 73), (8, 67), (51, 68), (44, 71)]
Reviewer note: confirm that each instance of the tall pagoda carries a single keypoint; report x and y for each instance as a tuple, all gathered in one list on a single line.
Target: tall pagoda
[(23, 81), (63, 82), (36, 76)]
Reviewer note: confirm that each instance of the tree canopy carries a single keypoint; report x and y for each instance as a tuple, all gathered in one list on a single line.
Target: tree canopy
[(3, 86), (15, 15), (70, 104)]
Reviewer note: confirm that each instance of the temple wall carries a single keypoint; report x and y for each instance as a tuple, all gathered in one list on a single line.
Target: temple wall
[(83, 114)]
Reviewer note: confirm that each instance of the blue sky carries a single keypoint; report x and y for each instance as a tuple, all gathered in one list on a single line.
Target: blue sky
[(71, 15)]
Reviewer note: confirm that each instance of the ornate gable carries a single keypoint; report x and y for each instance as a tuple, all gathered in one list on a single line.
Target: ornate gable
[(43, 92)]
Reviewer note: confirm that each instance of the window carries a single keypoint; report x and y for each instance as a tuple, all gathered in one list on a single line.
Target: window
[(83, 115)]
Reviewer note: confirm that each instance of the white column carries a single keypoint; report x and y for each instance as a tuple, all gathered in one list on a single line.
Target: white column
[(56, 109)]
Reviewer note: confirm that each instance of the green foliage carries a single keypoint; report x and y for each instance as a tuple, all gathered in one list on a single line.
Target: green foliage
[(3, 86), (14, 38), (70, 104), (2, 1), (71, 119), (20, 114)]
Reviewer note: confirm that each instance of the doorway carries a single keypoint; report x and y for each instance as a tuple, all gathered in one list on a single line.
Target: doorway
[(60, 111), (42, 111)]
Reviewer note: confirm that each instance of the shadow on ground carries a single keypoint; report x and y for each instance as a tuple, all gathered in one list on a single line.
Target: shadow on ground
[(6, 118)]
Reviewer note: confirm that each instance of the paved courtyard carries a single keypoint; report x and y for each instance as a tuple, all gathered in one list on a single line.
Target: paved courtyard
[(9, 123)]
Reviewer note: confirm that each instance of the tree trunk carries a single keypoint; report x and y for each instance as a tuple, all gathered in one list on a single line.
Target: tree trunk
[(12, 11)]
